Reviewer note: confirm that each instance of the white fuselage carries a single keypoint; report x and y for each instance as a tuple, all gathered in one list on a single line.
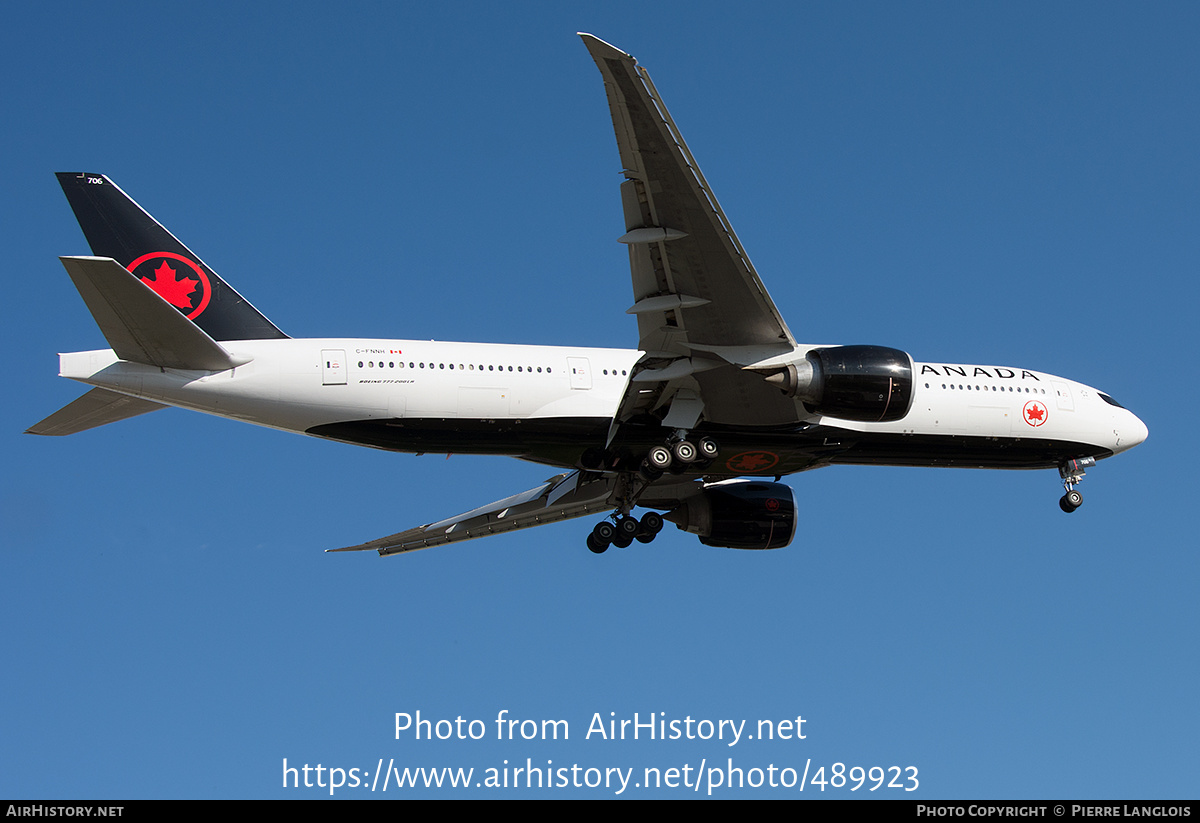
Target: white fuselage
[(303, 384)]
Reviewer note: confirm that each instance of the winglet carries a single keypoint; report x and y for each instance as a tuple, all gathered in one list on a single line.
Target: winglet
[(597, 46), (139, 324)]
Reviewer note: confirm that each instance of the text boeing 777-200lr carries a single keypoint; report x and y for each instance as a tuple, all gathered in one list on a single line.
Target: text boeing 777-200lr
[(697, 425)]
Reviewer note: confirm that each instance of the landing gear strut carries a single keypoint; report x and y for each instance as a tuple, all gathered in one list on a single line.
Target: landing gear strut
[(1071, 473)]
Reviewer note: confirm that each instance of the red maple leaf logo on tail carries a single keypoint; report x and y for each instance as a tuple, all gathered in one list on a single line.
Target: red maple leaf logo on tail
[(176, 292)]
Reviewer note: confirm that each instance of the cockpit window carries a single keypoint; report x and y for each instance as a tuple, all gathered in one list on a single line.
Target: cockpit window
[(1109, 400)]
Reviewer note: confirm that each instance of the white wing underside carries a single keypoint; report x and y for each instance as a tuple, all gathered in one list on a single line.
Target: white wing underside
[(702, 310)]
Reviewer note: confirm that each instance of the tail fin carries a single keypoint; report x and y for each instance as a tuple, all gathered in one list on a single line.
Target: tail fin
[(117, 227)]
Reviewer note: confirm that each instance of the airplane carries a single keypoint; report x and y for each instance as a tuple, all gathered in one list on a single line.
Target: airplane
[(697, 426)]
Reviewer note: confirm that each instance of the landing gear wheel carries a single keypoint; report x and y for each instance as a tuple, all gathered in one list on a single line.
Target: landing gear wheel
[(708, 448), (595, 546), (627, 527), (603, 533), (685, 452), (659, 458), (1070, 501), (651, 525), (648, 472)]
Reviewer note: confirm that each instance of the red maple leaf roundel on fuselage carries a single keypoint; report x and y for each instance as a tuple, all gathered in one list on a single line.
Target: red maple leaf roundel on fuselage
[(174, 291), (752, 462), (1035, 413)]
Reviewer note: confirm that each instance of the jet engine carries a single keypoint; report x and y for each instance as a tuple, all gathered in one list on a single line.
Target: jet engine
[(739, 514), (870, 384)]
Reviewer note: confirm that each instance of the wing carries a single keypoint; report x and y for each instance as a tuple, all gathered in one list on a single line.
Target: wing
[(702, 310), (560, 498)]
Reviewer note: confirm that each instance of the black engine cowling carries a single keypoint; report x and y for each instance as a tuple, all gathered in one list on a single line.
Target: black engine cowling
[(870, 384), (739, 514)]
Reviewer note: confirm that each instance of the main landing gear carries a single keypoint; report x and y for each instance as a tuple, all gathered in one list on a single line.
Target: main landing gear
[(1071, 473), (677, 455), (623, 530)]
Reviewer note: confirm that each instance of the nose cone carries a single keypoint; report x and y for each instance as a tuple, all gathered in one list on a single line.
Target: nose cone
[(1128, 431)]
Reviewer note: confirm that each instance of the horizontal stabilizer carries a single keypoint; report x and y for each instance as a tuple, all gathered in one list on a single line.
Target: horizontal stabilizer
[(559, 498), (96, 408), (140, 325)]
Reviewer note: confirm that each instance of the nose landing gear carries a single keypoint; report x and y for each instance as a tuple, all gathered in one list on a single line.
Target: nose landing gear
[(1071, 473)]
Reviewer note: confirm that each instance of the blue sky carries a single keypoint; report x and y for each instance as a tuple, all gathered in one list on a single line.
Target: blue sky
[(983, 183)]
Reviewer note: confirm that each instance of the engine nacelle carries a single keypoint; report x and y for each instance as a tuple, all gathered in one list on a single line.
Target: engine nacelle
[(739, 514), (870, 384)]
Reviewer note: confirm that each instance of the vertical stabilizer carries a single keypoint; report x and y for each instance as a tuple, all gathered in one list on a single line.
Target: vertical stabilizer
[(117, 227)]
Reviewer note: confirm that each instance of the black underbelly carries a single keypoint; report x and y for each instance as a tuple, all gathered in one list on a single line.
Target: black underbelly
[(562, 441)]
